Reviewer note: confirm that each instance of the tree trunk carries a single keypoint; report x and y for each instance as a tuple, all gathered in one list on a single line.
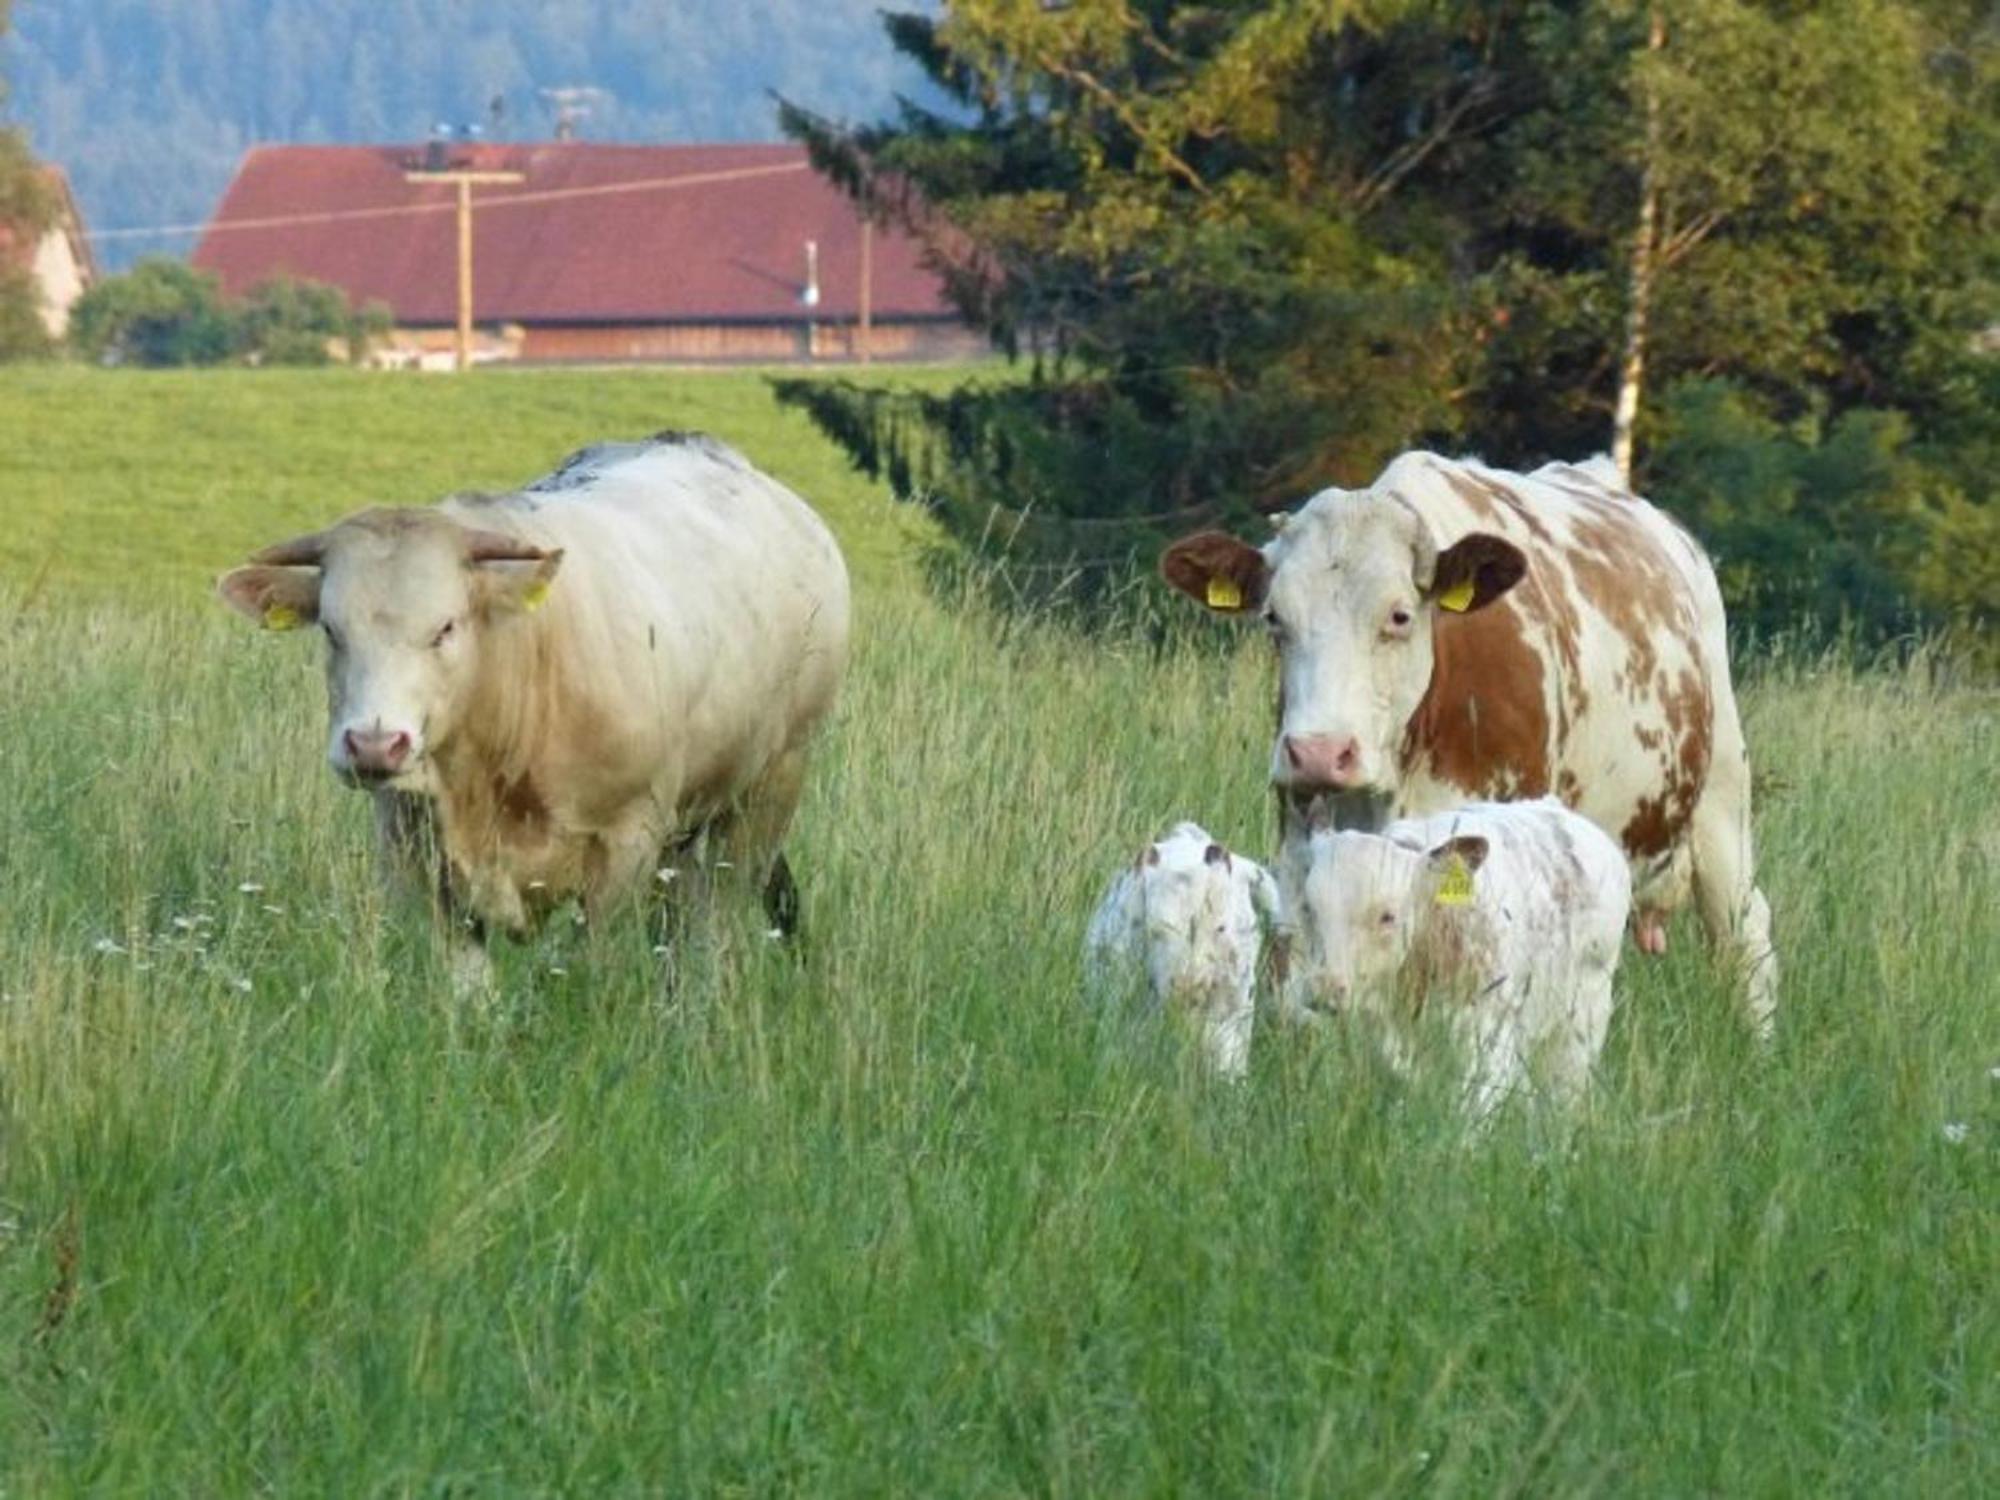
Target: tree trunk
[(1645, 266)]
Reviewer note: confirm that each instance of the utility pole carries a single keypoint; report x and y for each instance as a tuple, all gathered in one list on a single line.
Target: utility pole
[(867, 329), (464, 177)]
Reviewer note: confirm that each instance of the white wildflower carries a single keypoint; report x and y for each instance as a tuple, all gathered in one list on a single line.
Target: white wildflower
[(107, 946), (558, 970), (774, 934), (243, 986), (667, 874), (185, 924), (249, 888), (1956, 1131)]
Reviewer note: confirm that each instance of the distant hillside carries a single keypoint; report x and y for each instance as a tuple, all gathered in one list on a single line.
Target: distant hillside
[(149, 105)]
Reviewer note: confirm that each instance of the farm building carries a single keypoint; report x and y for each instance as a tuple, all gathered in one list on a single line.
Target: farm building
[(584, 251), (59, 261)]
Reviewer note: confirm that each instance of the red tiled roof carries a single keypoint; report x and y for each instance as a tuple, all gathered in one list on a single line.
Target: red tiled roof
[(600, 234)]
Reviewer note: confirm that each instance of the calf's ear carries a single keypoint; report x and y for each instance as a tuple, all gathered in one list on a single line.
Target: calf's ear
[(516, 584), (1216, 570), (1467, 848), (278, 598), (1474, 571)]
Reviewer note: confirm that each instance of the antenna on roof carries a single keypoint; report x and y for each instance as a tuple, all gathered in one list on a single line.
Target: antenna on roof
[(571, 104)]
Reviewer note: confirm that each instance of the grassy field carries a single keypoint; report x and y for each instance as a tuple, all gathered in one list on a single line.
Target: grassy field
[(148, 485), (892, 1216)]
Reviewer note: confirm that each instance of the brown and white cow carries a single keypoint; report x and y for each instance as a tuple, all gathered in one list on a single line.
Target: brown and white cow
[(1455, 632), (565, 685)]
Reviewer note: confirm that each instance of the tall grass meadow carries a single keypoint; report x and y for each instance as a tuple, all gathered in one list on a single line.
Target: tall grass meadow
[(891, 1213)]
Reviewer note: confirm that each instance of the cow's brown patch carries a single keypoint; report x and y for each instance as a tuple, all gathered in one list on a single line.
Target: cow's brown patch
[(1483, 725), (1497, 501), (1661, 821), (1623, 573), (1650, 829)]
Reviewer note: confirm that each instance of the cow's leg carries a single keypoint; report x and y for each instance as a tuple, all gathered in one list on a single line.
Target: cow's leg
[(781, 897), (1733, 909), (413, 860), (1579, 1040), (755, 836)]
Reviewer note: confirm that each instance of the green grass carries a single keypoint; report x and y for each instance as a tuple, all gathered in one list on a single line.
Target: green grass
[(149, 484), (894, 1217)]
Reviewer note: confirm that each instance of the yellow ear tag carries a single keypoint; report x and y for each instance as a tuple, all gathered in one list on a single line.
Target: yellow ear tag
[(1456, 887), (282, 617), (1457, 598), (1224, 594), (537, 593)]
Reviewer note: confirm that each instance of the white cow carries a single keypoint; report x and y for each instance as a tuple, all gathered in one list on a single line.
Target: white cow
[(1498, 925), (558, 688), (1185, 923)]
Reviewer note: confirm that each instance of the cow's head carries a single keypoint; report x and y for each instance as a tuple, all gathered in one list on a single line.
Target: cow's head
[(1366, 905), (406, 600), (1350, 590)]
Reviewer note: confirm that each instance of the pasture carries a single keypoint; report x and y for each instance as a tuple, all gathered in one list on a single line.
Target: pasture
[(891, 1216)]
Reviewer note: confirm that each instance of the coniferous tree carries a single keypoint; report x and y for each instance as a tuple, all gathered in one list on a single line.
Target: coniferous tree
[(1249, 249)]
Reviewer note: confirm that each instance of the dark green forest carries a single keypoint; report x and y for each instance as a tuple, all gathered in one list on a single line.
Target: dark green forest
[(148, 104), (1748, 247)]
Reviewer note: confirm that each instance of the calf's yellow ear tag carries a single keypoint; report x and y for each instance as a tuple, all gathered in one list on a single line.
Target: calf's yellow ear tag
[(282, 617), (1456, 887), (1224, 594), (536, 596), (1457, 598)]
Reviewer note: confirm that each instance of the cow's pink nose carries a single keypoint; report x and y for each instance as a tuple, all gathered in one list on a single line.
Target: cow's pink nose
[(1323, 761), (377, 752)]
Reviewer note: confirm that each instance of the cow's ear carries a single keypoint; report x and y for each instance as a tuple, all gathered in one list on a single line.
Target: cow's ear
[(1474, 571), (1468, 849), (277, 598), (1217, 570), (517, 584)]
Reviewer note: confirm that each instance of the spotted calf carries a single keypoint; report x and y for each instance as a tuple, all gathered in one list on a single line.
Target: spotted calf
[(1185, 925), (1498, 924)]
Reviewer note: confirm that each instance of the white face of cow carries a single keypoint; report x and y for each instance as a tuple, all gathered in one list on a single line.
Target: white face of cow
[(405, 600), (1192, 941), (1364, 905), (1349, 590)]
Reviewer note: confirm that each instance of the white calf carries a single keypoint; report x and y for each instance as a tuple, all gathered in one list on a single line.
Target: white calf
[(1502, 921), (1185, 922)]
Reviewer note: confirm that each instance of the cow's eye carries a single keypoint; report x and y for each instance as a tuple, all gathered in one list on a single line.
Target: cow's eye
[(332, 635), (1273, 623), (444, 633), (1399, 618), (1385, 920)]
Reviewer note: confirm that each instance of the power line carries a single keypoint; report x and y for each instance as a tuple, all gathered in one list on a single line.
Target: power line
[(445, 206)]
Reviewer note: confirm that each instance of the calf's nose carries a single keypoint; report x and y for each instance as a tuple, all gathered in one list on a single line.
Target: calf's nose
[(377, 752), (1323, 761)]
